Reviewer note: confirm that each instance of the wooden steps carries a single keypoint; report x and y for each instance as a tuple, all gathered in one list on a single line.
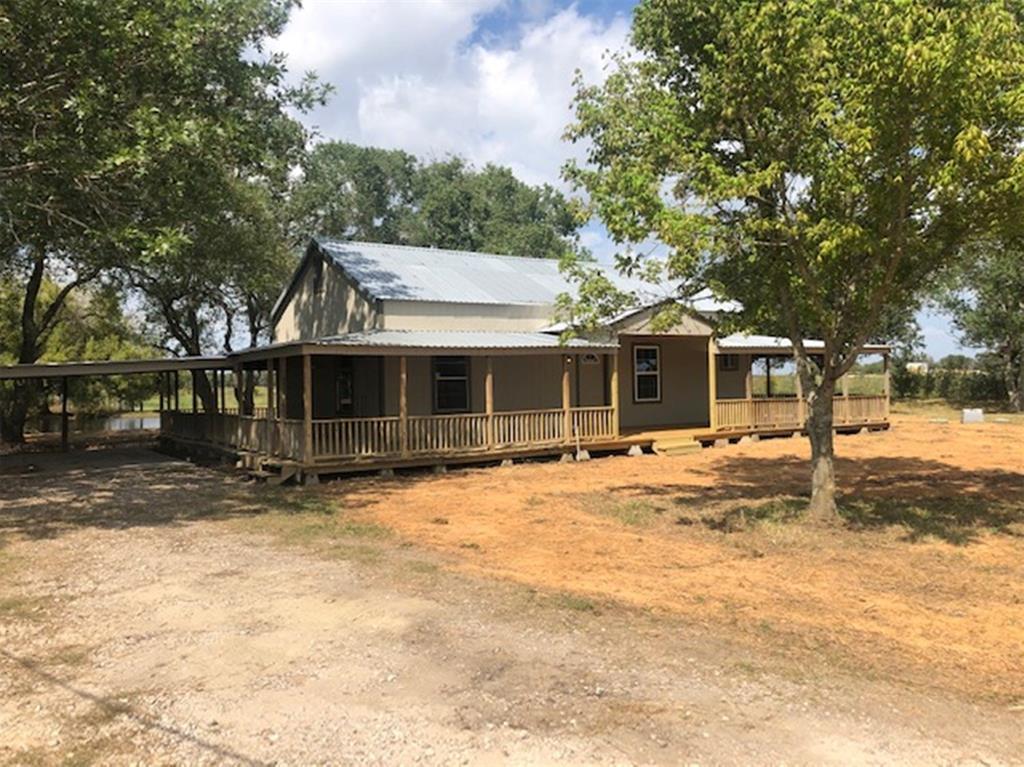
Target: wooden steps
[(676, 446)]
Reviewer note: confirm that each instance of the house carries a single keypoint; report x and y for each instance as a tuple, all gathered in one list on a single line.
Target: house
[(386, 356)]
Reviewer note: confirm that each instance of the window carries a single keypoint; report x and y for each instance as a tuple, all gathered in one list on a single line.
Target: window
[(728, 362), (451, 384), (646, 374)]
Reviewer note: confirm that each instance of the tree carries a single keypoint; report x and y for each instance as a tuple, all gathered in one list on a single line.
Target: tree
[(114, 111), (986, 301), (819, 162), (381, 195)]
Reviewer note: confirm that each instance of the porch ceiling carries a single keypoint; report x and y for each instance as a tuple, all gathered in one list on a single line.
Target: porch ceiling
[(110, 367)]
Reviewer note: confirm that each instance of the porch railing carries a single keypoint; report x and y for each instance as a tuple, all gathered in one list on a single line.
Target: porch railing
[(359, 438), (768, 413)]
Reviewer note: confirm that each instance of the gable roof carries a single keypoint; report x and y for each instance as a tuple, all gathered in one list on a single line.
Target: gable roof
[(384, 272)]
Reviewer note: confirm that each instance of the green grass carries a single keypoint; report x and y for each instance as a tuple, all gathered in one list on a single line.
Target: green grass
[(636, 512), (939, 408)]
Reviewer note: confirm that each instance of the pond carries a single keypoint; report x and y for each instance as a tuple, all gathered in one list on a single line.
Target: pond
[(93, 424)]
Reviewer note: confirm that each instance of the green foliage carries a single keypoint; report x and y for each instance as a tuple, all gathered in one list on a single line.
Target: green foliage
[(380, 195), (986, 300), (818, 162)]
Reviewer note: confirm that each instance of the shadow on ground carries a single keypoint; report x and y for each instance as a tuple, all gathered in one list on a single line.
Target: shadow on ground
[(47, 494), (925, 497)]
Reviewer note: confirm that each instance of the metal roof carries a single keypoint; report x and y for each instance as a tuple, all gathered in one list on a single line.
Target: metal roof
[(406, 273), (458, 339), (745, 342), (110, 367)]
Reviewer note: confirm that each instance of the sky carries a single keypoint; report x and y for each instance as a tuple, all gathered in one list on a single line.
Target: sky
[(490, 80)]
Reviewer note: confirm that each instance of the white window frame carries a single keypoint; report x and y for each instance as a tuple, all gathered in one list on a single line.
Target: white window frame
[(656, 373)]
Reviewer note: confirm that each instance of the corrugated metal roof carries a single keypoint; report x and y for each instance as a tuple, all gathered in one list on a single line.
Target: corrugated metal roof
[(745, 342), (405, 273), (459, 339)]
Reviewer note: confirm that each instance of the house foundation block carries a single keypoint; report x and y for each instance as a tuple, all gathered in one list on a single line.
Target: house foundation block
[(634, 451), (583, 455), (721, 443), (387, 472), (566, 458), (439, 468), (506, 462)]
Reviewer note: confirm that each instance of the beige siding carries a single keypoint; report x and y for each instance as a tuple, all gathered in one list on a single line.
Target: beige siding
[(684, 388), (426, 315), (332, 308)]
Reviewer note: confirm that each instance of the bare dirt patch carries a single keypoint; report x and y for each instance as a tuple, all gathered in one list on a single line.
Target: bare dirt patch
[(161, 613), (924, 583)]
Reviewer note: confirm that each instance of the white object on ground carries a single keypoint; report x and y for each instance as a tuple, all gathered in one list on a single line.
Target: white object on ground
[(972, 415)]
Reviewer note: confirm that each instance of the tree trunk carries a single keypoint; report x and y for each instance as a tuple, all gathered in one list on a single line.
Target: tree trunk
[(206, 392), (822, 507), (1014, 377)]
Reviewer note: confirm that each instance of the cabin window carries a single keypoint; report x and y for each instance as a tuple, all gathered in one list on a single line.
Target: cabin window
[(647, 373), (451, 384), (728, 362)]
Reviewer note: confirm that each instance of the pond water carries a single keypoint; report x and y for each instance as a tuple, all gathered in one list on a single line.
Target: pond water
[(90, 424)]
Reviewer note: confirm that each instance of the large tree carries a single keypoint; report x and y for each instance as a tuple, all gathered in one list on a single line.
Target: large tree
[(986, 300), (817, 161), (115, 112), (382, 195)]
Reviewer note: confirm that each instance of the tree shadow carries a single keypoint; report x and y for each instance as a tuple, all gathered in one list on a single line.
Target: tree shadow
[(133, 488), (927, 498)]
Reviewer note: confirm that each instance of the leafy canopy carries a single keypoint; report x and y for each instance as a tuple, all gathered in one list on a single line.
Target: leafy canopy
[(382, 195), (817, 161)]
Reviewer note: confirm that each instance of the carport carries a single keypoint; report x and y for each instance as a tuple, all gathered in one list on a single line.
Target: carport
[(168, 368)]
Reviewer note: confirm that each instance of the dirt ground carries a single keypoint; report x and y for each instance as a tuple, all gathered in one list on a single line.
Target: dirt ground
[(623, 611)]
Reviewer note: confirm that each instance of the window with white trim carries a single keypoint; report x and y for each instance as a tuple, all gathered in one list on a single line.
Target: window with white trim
[(451, 384), (647, 373)]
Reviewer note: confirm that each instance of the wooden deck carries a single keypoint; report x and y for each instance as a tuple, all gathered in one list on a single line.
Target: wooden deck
[(340, 445)]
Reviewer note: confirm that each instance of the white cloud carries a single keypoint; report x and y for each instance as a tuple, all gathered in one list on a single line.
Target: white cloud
[(410, 75)]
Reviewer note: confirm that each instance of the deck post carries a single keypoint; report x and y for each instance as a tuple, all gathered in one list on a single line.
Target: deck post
[(886, 383), (307, 408), (223, 391), (748, 387), (614, 394), (195, 403), (712, 384), (271, 409), (567, 398), (281, 407), (489, 401), (403, 404), (801, 409), (64, 414), (160, 389), (177, 390)]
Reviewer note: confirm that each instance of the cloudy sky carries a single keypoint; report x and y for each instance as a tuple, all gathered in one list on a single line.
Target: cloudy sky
[(490, 80)]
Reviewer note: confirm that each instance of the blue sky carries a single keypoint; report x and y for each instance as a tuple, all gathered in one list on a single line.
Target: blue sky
[(490, 80)]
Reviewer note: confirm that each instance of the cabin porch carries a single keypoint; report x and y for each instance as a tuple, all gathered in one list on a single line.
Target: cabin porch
[(332, 408)]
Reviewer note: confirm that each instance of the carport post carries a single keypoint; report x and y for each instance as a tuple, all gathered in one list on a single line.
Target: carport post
[(64, 413)]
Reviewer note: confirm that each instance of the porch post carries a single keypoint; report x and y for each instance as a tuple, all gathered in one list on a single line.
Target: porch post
[(403, 404), (845, 383), (160, 388), (801, 410), (615, 394), (307, 408), (748, 385), (195, 408), (886, 383), (177, 390), (271, 406), (489, 401), (566, 398), (64, 414), (712, 384), (223, 390)]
